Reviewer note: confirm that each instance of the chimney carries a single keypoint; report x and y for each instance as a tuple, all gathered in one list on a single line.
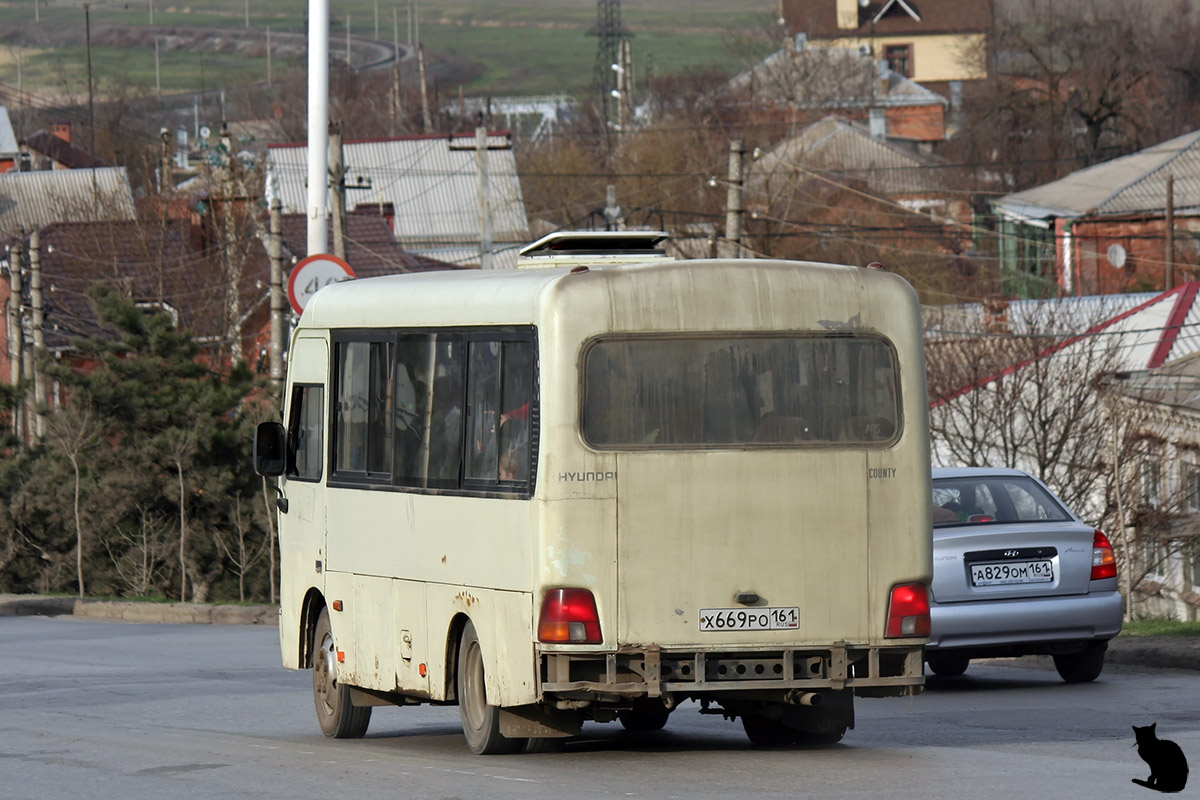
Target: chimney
[(878, 123), (847, 14), (62, 130)]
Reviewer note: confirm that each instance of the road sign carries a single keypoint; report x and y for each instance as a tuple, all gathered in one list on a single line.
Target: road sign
[(313, 273)]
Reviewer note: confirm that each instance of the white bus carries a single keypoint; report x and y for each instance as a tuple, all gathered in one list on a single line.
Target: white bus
[(595, 492)]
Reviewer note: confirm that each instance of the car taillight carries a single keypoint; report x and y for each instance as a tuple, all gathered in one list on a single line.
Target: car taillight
[(1104, 562), (569, 616), (908, 611)]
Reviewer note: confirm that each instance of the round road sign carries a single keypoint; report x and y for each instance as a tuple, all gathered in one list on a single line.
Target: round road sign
[(313, 273)]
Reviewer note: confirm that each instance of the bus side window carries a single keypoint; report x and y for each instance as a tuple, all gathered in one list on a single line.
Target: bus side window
[(500, 381), (483, 389), (364, 394), (305, 431), (446, 419), (516, 400)]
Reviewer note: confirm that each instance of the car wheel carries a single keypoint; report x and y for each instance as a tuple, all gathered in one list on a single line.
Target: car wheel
[(947, 665), (480, 721), (767, 732), (644, 717), (1084, 666), (337, 716)]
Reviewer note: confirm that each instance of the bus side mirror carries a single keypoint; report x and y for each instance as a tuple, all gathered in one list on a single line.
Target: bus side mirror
[(270, 449)]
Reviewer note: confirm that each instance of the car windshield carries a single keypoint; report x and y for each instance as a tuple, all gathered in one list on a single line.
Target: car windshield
[(993, 498)]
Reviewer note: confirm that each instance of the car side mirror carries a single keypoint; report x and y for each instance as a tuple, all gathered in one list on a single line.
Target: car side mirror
[(270, 449)]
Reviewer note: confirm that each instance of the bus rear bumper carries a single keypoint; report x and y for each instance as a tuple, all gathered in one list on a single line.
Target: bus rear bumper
[(874, 671)]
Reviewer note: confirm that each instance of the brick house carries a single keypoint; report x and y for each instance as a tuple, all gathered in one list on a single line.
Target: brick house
[(1103, 229)]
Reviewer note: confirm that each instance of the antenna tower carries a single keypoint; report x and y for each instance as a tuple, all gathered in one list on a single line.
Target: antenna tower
[(607, 80)]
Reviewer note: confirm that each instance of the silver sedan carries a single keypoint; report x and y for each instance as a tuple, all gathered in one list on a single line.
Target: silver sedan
[(1015, 573)]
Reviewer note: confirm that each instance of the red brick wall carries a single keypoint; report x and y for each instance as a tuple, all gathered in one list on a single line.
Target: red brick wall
[(1145, 260)]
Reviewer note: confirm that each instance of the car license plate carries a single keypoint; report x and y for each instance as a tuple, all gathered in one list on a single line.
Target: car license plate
[(1041, 571), (749, 619)]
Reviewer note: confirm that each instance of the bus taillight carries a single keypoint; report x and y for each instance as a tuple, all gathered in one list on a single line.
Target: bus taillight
[(569, 616), (908, 611)]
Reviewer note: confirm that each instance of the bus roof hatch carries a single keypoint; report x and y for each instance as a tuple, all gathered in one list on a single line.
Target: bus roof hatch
[(593, 248)]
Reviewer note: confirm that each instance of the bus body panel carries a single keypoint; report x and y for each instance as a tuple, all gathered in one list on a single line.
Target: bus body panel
[(302, 529)]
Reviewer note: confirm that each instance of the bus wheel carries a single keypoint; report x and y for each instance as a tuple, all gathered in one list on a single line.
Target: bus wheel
[(644, 717), (338, 717), (480, 722), (767, 732)]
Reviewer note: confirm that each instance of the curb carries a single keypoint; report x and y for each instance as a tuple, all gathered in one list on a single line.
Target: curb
[(1167, 652), (171, 613)]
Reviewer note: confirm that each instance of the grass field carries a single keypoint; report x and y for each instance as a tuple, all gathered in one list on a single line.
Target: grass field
[(520, 46), (1160, 627)]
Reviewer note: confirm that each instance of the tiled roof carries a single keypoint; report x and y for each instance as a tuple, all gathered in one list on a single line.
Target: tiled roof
[(838, 145), (1131, 184), (166, 263), (60, 151), (31, 200), (431, 181)]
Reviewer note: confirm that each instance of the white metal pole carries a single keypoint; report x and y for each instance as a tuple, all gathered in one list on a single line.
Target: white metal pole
[(318, 123)]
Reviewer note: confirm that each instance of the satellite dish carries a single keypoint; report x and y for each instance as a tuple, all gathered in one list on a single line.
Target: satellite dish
[(204, 131), (1116, 255)]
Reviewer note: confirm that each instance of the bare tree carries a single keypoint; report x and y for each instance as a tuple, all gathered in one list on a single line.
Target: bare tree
[(241, 552), (141, 559), (72, 431)]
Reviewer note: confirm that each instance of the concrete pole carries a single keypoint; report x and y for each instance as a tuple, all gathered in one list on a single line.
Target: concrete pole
[(16, 333), (337, 182), (485, 211), (426, 121), (318, 122), (278, 303), (39, 336), (1170, 223), (731, 247)]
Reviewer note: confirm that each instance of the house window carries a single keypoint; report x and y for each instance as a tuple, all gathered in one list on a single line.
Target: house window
[(899, 58), (1151, 480), (1190, 480)]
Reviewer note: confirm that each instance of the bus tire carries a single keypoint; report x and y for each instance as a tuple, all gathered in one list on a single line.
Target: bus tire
[(766, 732), (647, 716), (480, 721), (337, 716)]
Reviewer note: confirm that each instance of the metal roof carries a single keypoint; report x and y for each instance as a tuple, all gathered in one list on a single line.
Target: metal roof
[(838, 145), (32, 200), (432, 183), (8, 139), (1127, 185)]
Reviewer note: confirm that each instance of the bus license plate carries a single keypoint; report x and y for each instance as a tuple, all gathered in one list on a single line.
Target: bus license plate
[(1012, 572), (749, 619)]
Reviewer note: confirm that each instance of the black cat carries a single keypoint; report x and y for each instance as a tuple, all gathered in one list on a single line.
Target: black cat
[(1168, 767)]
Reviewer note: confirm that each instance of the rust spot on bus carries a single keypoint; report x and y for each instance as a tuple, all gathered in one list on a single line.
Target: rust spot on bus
[(466, 598)]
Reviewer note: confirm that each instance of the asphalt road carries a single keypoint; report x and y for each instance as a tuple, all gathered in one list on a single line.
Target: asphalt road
[(93, 709)]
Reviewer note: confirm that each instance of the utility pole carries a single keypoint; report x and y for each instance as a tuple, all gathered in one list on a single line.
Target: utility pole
[(613, 218), (1170, 254), (318, 123), (347, 41), (39, 336), (278, 304), (164, 179), (268, 55), (731, 246), (485, 209), (16, 333), (426, 122), (87, 24), (395, 69), (157, 71), (337, 186)]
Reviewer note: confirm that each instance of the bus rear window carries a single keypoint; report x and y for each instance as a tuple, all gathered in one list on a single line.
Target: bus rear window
[(740, 391)]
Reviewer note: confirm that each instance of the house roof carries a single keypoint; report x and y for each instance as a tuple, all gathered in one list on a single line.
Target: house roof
[(831, 78), (8, 139), (60, 150), (839, 145), (31, 200), (1131, 184), (432, 183), (884, 17), (167, 263), (1147, 336)]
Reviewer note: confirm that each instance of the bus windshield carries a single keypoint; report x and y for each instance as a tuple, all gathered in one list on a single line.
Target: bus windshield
[(703, 391)]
